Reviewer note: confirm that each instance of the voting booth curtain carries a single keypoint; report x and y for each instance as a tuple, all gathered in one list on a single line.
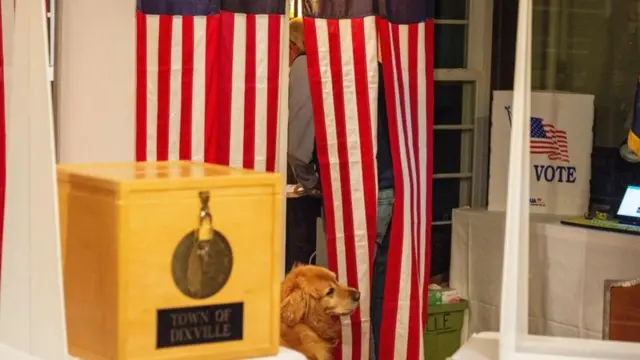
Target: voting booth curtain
[(209, 80), (343, 41)]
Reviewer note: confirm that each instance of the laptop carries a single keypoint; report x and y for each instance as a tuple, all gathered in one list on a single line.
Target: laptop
[(627, 219)]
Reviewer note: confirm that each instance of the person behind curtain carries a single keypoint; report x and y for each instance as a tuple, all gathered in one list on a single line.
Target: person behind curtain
[(302, 211), (301, 132), (385, 210)]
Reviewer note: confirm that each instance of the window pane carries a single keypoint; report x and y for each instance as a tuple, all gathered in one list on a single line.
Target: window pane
[(440, 249), (448, 103), (446, 151), (450, 46), (451, 9), (591, 47), (446, 196)]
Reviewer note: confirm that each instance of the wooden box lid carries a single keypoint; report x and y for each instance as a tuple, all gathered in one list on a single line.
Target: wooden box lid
[(141, 176)]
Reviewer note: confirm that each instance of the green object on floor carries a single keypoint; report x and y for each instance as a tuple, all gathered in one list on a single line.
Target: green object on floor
[(442, 296), (444, 330)]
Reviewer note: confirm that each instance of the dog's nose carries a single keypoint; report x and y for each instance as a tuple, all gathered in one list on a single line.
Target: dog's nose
[(355, 295)]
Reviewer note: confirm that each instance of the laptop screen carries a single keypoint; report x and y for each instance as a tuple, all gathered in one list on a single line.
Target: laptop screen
[(630, 205)]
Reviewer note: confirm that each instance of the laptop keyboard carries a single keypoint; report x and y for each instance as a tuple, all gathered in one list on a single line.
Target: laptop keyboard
[(604, 225), (614, 225)]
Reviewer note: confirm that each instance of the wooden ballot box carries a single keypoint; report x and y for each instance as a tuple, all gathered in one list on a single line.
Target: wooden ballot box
[(170, 260)]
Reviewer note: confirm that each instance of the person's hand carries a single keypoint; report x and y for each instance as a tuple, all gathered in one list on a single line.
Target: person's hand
[(299, 190)]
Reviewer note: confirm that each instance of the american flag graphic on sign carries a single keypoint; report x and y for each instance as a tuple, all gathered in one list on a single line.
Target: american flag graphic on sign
[(548, 140), (342, 45), (208, 81)]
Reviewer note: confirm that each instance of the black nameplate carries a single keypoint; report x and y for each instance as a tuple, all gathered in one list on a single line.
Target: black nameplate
[(199, 325)]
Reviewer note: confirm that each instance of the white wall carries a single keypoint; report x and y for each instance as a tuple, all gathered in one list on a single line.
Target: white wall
[(95, 80)]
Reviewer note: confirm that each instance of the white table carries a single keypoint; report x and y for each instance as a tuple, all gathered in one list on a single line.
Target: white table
[(285, 354), (568, 267), (7, 352), (483, 346)]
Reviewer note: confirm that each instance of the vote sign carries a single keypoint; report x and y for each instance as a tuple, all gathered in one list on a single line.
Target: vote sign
[(561, 143)]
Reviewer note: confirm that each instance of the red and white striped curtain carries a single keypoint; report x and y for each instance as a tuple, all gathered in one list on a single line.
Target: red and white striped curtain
[(407, 58), (343, 76), (208, 81), (6, 9), (341, 40)]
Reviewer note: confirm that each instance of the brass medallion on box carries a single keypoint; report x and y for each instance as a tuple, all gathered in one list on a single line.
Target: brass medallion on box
[(203, 259)]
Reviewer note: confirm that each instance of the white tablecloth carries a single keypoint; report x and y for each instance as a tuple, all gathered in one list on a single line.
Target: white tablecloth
[(10, 353), (568, 267), (482, 346), (284, 354)]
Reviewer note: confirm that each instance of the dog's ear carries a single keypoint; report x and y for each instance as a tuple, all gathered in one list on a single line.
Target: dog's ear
[(294, 304), (293, 307)]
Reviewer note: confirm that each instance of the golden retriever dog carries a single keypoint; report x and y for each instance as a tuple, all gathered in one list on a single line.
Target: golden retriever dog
[(310, 310)]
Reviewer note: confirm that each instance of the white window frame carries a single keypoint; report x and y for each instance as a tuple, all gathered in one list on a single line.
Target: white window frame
[(474, 152), (515, 342)]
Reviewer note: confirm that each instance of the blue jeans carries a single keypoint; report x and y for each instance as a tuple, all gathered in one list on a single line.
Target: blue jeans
[(385, 210)]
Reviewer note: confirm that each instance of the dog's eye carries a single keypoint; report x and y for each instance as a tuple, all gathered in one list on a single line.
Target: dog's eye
[(331, 291)]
